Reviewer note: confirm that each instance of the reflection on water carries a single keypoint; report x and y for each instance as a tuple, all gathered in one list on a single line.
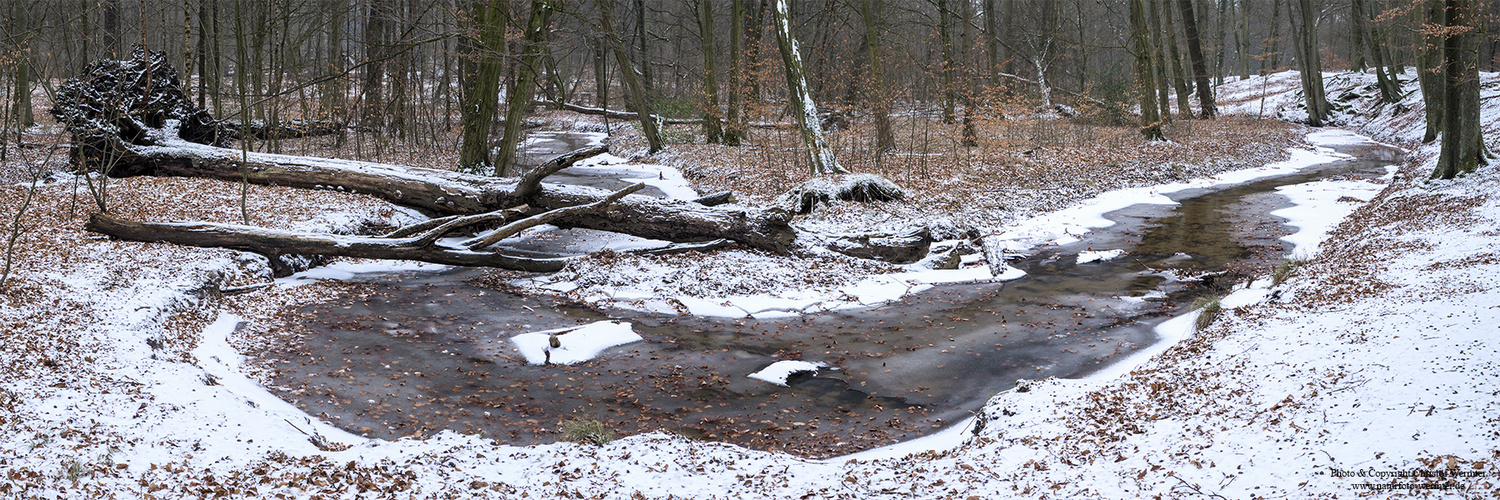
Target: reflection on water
[(429, 351)]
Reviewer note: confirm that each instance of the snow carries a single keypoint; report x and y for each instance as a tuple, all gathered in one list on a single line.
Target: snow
[(1318, 208), (668, 179), (1065, 226), (577, 344), (345, 270), (777, 373), (1088, 256), (1379, 359)]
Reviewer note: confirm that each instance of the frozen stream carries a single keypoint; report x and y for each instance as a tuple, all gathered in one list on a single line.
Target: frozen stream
[(411, 353)]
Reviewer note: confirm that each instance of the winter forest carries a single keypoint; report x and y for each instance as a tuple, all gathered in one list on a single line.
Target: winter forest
[(749, 248)]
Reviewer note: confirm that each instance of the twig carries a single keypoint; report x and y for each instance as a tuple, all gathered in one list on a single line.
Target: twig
[(1193, 488)]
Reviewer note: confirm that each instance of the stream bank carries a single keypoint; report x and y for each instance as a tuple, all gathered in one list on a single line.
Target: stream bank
[(409, 354)]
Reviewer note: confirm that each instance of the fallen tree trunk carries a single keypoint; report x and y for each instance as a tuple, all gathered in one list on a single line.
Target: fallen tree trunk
[(275, 243), (446, 192), (131, 118)]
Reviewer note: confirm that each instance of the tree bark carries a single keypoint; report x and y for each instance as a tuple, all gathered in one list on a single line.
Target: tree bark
[(633, 86), (1463, 149), (819, 156), (520, 95), (1390, 90), (1270, 56), (1242, 39), (1311, 65), (735, 130), (111, 20), (20, 113), (484, 59), (1179, 77), (1358, 34), (945, 42), (1159, 65), (274, 244), (885, 140), (712, 132), (1140, 46), (1195, 53), (1430, 72)]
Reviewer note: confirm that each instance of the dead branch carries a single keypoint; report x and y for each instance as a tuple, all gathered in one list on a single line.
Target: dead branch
[(273, 242), (546, 217)]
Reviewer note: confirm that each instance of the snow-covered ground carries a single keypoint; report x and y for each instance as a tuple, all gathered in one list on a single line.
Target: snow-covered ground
[(1371, 367)]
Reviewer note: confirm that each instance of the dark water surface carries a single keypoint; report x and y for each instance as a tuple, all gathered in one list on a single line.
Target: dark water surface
[(414, 353)]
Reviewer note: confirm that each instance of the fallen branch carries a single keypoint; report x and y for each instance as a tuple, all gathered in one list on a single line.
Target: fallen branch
[(274, 242), (1102, 104), (622, 115), (547, 217)]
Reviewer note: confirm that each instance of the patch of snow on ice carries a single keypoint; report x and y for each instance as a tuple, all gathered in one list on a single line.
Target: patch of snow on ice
[(1086, 257), (778, 372), (1318, 209), (578, 344)]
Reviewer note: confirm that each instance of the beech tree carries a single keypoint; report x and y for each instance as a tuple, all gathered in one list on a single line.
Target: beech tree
[(1140, 46), (1195, 53), (1463, 148), (820, 157), (713, 133), (1310, 64), (870, 13)]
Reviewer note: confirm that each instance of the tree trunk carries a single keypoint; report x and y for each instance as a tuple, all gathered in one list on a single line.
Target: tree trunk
[(885, 140), (1430, 73), (372, 114), (819, 156), (1159, 66), (484, 59), (1179, 77), (1219, 48), (1311, 66), (1242, 40), (1463, 149), (520, 96), (945, 42), (1140, 46), (645, 55), (1195, 53), (712, 132), (1270, 57), (754, 30), (734, 131), (992, 42), (1390, 90), (20, 112), (1358, 33), (634, 89), (110, 11), (966, 42), (274, 244)]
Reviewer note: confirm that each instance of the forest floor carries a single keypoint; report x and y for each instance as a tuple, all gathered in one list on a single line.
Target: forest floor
[(1370, 365)]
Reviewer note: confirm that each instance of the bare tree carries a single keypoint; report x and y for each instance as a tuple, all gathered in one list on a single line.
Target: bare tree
[(1140, 47), (1463, 148), (712, 132), (634, 89), (819, 156), (1195, 53), (884, 139), (1310, 63), (483, 58), (520, 94)]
